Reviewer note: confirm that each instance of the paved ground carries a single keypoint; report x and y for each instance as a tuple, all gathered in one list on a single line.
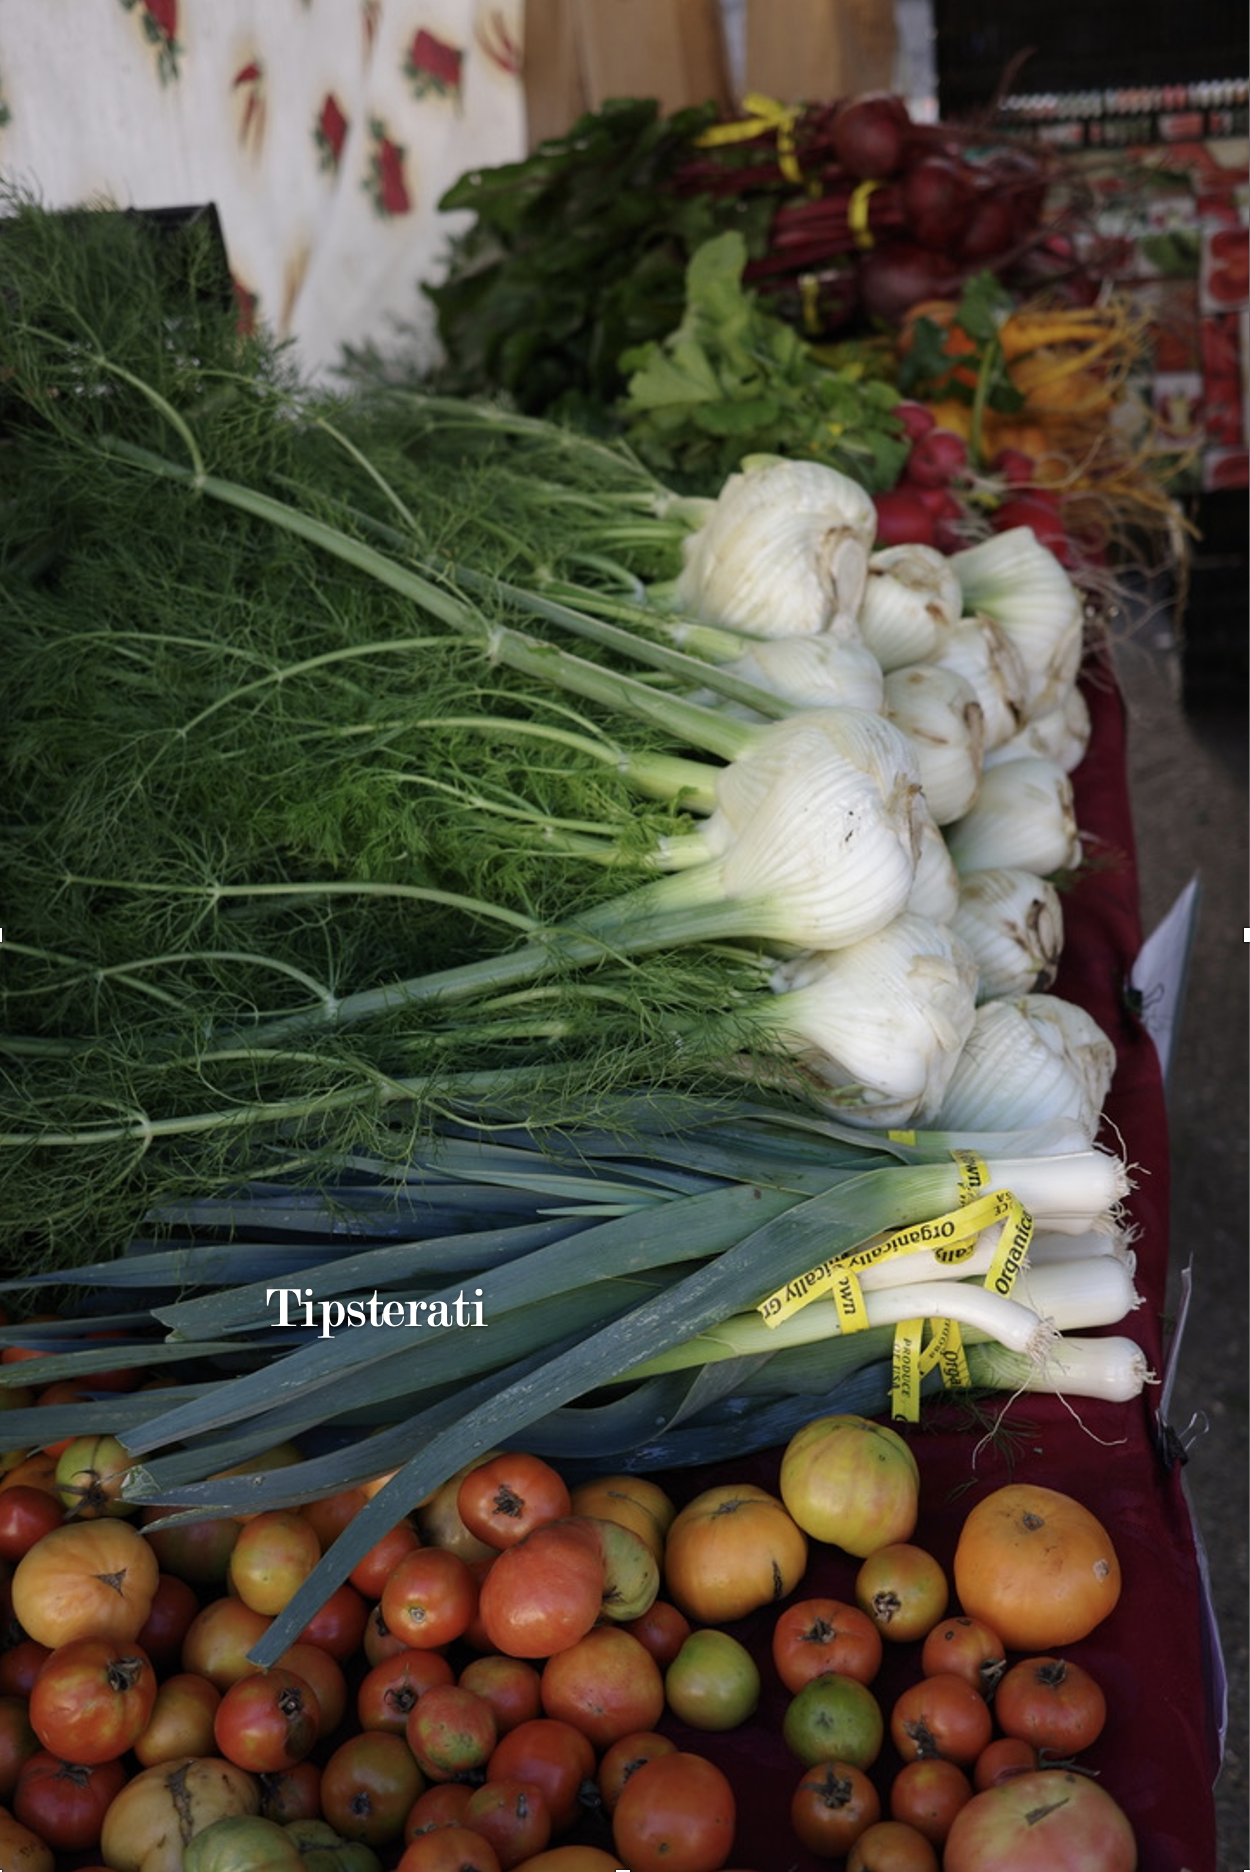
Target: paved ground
[(1187, 767)]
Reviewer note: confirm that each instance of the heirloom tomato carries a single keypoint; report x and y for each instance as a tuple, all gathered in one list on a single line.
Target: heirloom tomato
[(851, 1482), (732, 1549), (713, 1683), (86, 1579), (834, 1718), (903, 1590), (1037, 1566), (273, 1556), (1049, 1821), (160, 1810), (554, 1755)]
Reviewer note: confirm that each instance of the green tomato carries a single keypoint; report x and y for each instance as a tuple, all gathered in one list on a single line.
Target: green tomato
[(834, 1718), (242, 1843), (713, 1682), (323, 1850)]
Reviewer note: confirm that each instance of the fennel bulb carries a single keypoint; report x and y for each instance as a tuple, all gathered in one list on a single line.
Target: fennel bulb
[(939, 712), (1024, 816), (980, 651), (818, 671), (877, 1027), (1028, 1059), (935, 887), (783, 553), (1022, 585), (1012, 921), (1060, 735), (911, 600)]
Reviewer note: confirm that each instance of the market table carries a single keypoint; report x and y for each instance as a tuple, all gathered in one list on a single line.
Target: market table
[(1156, 1656)]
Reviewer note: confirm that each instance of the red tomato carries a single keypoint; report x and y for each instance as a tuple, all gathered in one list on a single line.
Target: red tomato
[(267, 1721), (430, 1598), (18, 1742), (662, 1629), (623, 1757), (451, 1732), (512, 1687), (368, 1787), (388, 1693), (20, 1665), (1051, 1703), (442, 1804), (324, 1676), (513, 1816), (1000, 1759), (927, 1793), (555, 1756), (675, 1814), (943, 1716), (450, 1849), (65, 1802), (370, 1574), (329, 1516), (339, 1625), (831, 1806), (291, 1793), (379, 1641), (964, 1647), (501, 1500), (198, 1552), (893, 1846), (817, 1635), (607, 1685), (546, 1591), (174, 1609), (92, 1699), (273, 1556), (26, 1515)]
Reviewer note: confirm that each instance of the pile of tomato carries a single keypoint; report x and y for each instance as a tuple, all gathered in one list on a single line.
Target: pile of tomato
[(520, 1676)]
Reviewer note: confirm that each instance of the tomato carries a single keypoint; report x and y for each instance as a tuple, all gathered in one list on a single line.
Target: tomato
[(851, 1482), (553, 1754), (218, 1640), (338, 1626), (606, 1685), (20, 1665), (34, 1471), (546, 1591), (26, 1515), (1050, 1821), (438, 1518), (623, 1757), (572, 1859), (368, 1787), (324, 1676), (18, 1741), (441, 1804), (631, 1572), (266, 1721), (501, 1500), (927, 1793), (893, 1846), (942, 1715), (242, 1843), (379, 1641), (388, 1693), (332, 1513), (92, 1699), (831, 1806), (175, 1606), (632, 1502), (159, 1810), (273, 1556), (817, 1635), (90, 1472), (451, 1732), (662, 1629), (20, 1849), (86, 1579), (713, 1682), (513, 1816), (198, 1551), (1037, 1566), (430, 1598), (290, 1794), (450, 1849), (1000, 1759), (1051, 1703), (834, 1718), (675, 1814), (731, 1550), (964, 1647), (181, 1722), (902, 1589), (512, 1687), (370, 1574), (65, 1802)]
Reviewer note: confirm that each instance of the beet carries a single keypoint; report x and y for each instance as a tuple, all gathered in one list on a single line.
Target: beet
[(936, 459), (938, 195), (899, 275), (871, 134)]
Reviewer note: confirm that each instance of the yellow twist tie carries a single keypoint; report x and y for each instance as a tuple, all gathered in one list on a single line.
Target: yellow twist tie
[(765, 114), (857, 214)]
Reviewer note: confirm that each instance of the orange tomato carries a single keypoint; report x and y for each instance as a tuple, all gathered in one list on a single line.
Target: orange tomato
[(86, 1579), (731, 1550), (1037, 1566)]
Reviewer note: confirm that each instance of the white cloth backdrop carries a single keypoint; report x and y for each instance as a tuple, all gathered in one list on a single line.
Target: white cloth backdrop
[(324, 131)]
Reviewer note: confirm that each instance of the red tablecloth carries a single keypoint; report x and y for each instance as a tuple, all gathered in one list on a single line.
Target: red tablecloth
[(1159, 1752)]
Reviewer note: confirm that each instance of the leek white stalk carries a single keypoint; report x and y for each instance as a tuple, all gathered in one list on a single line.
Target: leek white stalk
[(1112, 1368), (1012, 921), (935, 887), (783, 552), (877, 1026), (1060, 735), (939, 710), (980, 651), (1032, 1057), (912, 600), (1022, 585), (1024, 816), (1048, 1245)]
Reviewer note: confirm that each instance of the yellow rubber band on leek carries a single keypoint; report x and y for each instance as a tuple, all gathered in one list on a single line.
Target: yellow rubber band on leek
[(905, 1373)]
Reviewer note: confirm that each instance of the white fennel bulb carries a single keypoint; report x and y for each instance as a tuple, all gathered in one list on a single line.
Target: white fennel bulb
[(783, 553), (1061, 734), (1026, 1060), (935, 887), (821, 671), (980, 651), (1012, 921), (1024, 816), (1020, 583), (877, 1027), (912, 598), (940, 713)]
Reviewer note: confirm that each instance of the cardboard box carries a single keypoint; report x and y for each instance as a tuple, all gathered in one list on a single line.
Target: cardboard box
[(580, 53)]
